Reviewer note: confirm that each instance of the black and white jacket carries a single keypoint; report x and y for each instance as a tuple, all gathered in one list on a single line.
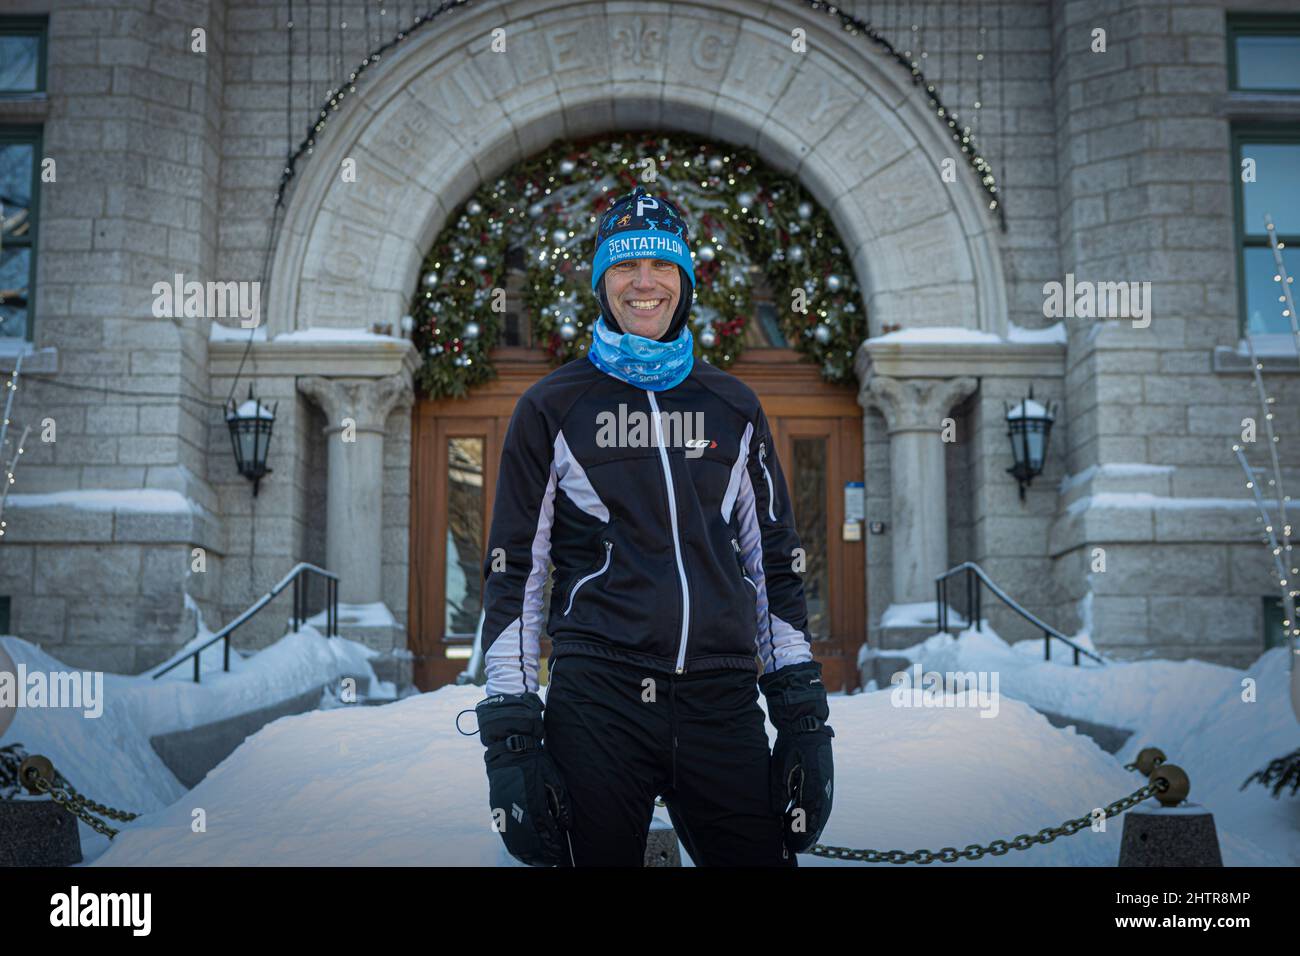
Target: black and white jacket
[(668, 522)]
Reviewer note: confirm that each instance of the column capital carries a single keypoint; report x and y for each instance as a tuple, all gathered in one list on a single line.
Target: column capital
[(915, 404), (367, 401)]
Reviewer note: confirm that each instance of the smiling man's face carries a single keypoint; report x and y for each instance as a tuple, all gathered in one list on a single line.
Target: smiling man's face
[(643, 295)]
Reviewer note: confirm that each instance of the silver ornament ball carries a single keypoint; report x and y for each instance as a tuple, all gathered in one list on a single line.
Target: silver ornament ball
[(471, 331), (706, 253), (474, 207), (479, 261), (431, 279), (833, 283), (715, 165), (559, 236), (567, 166), (805, 210), (795, 254), (568, 330), (708, 337), (535, 210), (822, 333)]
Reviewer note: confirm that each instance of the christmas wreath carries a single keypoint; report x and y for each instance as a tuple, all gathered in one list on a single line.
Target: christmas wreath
[(742, 215)]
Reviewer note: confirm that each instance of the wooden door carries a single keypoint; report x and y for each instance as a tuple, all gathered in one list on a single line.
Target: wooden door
[(456, 446)]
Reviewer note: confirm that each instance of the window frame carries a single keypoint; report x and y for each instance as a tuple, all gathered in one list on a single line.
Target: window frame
[(1257, 24), (34, 135), (1241, 133), (29, 26)]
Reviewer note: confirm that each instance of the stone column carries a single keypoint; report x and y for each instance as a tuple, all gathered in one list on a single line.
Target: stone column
[(356, 409), (914, 410)]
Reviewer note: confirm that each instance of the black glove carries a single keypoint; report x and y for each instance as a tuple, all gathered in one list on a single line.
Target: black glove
[(530, 804), (803, 773)]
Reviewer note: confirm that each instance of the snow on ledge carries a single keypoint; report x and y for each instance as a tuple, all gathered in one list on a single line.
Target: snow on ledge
[(234, 333), (917, 614), (156, 500), (1053, 333), (1118, 469), (1141, 499), (957, 335), (375, 614), (950, 335), (337, 335)]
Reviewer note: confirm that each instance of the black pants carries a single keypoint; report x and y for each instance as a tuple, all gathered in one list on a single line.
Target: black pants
[(621, 735)]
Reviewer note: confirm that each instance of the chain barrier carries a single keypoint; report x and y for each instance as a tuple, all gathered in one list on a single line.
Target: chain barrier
[(38, 775), (1167, 783)]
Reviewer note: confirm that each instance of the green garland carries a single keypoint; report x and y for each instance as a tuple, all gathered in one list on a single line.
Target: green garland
[(740, 213)]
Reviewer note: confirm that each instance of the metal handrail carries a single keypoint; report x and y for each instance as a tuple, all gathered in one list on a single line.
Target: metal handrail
[(299, 614), (976, 578)]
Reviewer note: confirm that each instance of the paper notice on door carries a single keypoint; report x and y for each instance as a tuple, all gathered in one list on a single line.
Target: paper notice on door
[(854, 502)]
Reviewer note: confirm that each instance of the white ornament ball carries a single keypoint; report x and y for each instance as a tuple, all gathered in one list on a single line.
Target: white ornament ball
[(479, 261), (568, 330), (474, 207), (805, 210), (745, 199), (795, 254), (822, 333), (559, 236), (471, 330), (431, 279), (567, 166), (833, 283), (706, 253), (535, 210), (715, 165), (708, 337)]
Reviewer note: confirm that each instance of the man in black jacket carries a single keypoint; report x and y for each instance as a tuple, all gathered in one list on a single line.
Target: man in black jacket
[(650, 481)]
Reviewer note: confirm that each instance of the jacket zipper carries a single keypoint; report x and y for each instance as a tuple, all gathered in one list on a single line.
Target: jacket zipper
[(609, 549), (677, 545), (762, 455), (741, 561)]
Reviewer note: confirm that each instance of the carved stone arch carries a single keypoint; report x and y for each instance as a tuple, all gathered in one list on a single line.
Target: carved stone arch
[(444, 113)]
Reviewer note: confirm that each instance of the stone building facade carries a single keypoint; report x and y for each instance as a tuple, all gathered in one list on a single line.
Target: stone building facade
[(1115, 166)]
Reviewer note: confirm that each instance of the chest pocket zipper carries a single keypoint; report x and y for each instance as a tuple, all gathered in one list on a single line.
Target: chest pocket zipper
[(735, 545), (609, 550), (762, 463)]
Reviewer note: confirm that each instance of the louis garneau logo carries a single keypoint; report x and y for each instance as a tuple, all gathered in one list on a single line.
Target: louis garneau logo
[(102, 909), (638, 429)]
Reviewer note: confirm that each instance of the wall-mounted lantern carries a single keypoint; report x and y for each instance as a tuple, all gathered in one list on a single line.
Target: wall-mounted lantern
[(250, 435), (1029, 425)]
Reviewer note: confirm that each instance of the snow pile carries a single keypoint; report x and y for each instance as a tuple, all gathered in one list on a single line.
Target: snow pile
[(109, 758), (397, 785)]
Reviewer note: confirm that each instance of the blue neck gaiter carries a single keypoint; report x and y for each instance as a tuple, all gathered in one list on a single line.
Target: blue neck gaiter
[(642, 362)]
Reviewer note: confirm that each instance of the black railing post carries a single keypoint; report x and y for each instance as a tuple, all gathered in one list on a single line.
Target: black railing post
[(1076, 657), (225, 654), (196, 667), (970, 595), (295, 603), (979, 600), (334, 607), (1047, 646)]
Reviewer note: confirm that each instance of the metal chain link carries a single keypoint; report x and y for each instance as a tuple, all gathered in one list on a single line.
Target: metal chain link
[(66, 795), (974, 851)]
